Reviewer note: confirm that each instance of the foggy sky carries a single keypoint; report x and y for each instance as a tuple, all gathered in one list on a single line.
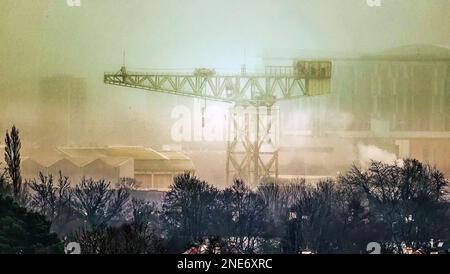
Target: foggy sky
[(46, 37), (43, 38)]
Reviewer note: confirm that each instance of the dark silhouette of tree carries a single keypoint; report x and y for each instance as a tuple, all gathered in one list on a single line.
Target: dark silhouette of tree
[(25, 232), (97, 204), (5, 188), (313, 221), (146, 214), (54, 201), (142, 235), (277, 205), (275, 199), (360, 224), (127, 238), (189, 210), (91, 240), (279, 199), (408, 199), (12, 159), (246, 217)]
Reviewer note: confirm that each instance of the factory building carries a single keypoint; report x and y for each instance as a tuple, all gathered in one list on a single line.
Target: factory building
[(154, 170), (397, 101)]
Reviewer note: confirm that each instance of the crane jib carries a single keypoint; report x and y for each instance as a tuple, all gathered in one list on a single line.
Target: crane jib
[(255, 89), (304, 78)]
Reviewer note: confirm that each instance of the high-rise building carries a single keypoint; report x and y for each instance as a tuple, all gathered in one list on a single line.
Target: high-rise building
[(62, 110)]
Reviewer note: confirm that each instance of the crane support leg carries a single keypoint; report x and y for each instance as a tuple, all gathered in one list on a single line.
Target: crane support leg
[(252, 151)]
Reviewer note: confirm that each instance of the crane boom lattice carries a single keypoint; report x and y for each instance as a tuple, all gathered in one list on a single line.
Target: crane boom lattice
[(252, 150)]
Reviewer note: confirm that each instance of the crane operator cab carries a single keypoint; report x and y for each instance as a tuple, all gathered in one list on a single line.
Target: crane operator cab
[(316, 74), (312, 69)]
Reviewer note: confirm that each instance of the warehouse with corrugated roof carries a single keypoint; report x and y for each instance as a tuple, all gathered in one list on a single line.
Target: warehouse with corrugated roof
[(154, 170)]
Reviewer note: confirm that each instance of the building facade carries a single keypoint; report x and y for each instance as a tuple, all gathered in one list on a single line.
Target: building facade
[(153, 170), (396, 102)]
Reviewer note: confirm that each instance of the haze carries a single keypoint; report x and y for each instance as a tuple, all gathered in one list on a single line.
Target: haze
[(47, 37)]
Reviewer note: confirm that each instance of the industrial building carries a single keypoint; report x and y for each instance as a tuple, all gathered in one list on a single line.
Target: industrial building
[(397, 101), (383, 106), (154, 170)]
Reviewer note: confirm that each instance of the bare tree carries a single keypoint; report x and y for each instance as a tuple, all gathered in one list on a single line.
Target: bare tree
[(314, 222), (246, 215), (189, 209), (123, 239), (279, 198), (12, 159), (408, 198), (141, 235), (274, 197), (97, 204), (146, 214), (53, 200), (92, 241)]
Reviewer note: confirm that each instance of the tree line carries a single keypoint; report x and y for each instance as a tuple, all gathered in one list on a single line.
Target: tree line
[(396, 205)]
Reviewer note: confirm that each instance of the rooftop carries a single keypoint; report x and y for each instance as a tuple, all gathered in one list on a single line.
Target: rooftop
[(135, 152), (416, 52)]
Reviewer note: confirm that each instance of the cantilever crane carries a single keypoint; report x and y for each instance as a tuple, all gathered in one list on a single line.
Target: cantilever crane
[(252, 151)]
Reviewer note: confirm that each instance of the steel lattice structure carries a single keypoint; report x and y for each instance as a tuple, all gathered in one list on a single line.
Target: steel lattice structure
[(252, 150)]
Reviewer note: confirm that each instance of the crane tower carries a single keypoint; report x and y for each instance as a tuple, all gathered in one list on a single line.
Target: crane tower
[(252, 150)]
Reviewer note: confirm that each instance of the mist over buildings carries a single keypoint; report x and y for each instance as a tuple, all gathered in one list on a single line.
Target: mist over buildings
[(53, 58)]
